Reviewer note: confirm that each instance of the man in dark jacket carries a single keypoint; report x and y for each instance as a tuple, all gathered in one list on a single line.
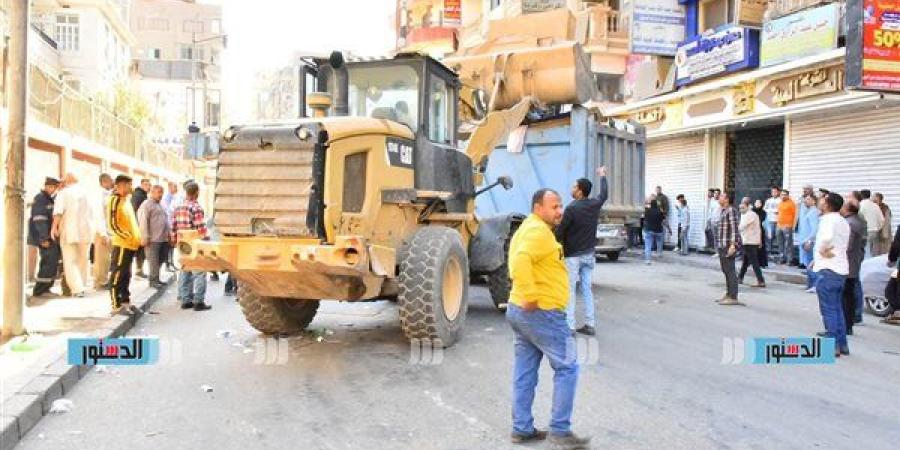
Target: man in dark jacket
[(578, 235), (138, 197), (39, 225), (856, 250)]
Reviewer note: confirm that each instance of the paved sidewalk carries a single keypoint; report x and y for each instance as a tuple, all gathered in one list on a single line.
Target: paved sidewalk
[(777, 272), (35, 371)]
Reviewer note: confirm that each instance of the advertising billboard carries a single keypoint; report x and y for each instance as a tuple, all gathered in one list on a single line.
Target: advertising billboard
[(657, 27), (727, 49), (873, 45), (800, 34)]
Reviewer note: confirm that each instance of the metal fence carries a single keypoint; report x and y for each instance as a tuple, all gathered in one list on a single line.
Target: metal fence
[(60, 106)]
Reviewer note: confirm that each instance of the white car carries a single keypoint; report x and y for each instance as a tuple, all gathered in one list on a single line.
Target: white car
[(874, 276)]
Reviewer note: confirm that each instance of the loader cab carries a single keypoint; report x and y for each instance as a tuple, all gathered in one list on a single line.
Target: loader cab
[(410, 89)]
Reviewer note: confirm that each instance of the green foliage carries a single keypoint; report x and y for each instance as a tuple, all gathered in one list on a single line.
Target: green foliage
[(133, 108)]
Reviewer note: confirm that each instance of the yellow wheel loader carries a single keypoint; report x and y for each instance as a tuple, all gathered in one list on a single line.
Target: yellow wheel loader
[(370, 198)]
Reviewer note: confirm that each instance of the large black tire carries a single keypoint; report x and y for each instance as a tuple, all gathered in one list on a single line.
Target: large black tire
[(499, 283), (612, 256), (276, 315), (433, 251)]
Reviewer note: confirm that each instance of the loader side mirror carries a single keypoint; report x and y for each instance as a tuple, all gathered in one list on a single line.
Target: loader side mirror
[(506, 181)]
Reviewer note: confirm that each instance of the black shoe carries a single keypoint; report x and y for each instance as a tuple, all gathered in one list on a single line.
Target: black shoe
[(844, 351), (849, 332), (536, 435), (187, 305), (214, 277), (158, 285), (588, 330), (822, 333), (568, 441), (201, 306), (141, 275)]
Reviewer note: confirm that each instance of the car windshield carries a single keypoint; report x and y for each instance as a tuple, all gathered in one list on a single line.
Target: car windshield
[(385, 93)]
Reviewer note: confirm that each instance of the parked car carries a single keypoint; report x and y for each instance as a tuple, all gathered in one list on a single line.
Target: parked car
[(874, 276), (612, 240)]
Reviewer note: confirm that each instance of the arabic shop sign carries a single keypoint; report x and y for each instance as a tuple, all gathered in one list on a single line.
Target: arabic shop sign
[(873, 45), (657, 27), (800, 34), (727, 49), (452, 13)]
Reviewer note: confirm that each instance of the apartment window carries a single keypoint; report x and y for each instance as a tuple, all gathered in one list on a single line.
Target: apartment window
[(495, 3), (67, 32), (193, 26), (213, 56), (215, 26), (154, 53), (190, 53), (714, 13)]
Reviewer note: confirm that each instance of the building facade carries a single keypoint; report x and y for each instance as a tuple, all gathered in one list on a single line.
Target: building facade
[(178, 64), (768, 106)]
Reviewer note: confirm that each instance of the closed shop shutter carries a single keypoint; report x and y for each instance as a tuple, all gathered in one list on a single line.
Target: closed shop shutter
[(846, 152), (676, 164)]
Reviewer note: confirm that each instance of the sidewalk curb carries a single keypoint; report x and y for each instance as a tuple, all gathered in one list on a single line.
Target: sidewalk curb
[(776, 274), (43, 383)]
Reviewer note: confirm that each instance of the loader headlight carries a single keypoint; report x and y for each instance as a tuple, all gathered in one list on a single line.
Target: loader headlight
[(351, 256)]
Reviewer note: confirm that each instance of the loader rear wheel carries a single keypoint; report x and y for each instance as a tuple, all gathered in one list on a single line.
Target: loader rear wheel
[(434, 285), (498, 281), (272, 315)]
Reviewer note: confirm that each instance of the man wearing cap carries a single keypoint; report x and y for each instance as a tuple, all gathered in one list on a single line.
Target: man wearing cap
[(126, 239), (39, 226)]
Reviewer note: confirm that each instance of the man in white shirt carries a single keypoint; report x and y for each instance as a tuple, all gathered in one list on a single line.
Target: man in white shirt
[(102, 246), (713, 214), (73, 225), (871, 213), (771, 223), (832, 267)]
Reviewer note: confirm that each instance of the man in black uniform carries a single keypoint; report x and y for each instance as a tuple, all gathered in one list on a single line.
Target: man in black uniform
[(40, 237)]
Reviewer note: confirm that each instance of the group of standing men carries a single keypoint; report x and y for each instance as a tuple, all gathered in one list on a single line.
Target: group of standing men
[(113, 227)]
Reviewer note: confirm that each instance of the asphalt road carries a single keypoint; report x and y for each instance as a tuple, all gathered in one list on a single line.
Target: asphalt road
[(657, 380)]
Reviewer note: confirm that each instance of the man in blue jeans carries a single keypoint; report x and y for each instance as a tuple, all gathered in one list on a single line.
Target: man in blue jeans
[(189, 217), (806, 235), (537, 314), (578, 235), (831, 267)]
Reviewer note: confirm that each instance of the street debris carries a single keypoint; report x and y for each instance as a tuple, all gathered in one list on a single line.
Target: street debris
[(41, 436), (61, 406), (489, 329), (153, 433), (659, 301), (224, 334), (206, 388)]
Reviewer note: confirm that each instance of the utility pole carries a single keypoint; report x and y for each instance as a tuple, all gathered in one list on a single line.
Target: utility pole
[(14, 166)]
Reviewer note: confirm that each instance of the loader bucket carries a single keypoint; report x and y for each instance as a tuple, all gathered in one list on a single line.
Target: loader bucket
[(555, 74)]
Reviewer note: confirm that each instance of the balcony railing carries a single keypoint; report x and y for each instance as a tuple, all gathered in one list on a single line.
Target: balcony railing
[(179, 70), (59, 106)]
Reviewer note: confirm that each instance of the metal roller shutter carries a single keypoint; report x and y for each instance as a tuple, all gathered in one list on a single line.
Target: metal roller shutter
[(676, 164), (852, 151)]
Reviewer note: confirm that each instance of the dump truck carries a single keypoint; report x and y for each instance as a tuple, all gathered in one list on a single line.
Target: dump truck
[(558, 150), (371, 198)]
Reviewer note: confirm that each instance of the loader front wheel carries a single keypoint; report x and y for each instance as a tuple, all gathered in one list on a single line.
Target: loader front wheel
[(276, 315), (434, 286)]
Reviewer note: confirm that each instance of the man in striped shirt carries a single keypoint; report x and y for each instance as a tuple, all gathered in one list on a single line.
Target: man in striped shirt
[(727, 242), (189, 216)]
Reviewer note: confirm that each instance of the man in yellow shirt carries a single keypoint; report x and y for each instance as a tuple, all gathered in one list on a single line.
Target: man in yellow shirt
[(126, 239), (537, 314)]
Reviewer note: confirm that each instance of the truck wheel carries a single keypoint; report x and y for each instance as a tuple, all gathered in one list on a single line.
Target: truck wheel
[(434, 285), (612, 256), (499, 283), (276, 315)]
